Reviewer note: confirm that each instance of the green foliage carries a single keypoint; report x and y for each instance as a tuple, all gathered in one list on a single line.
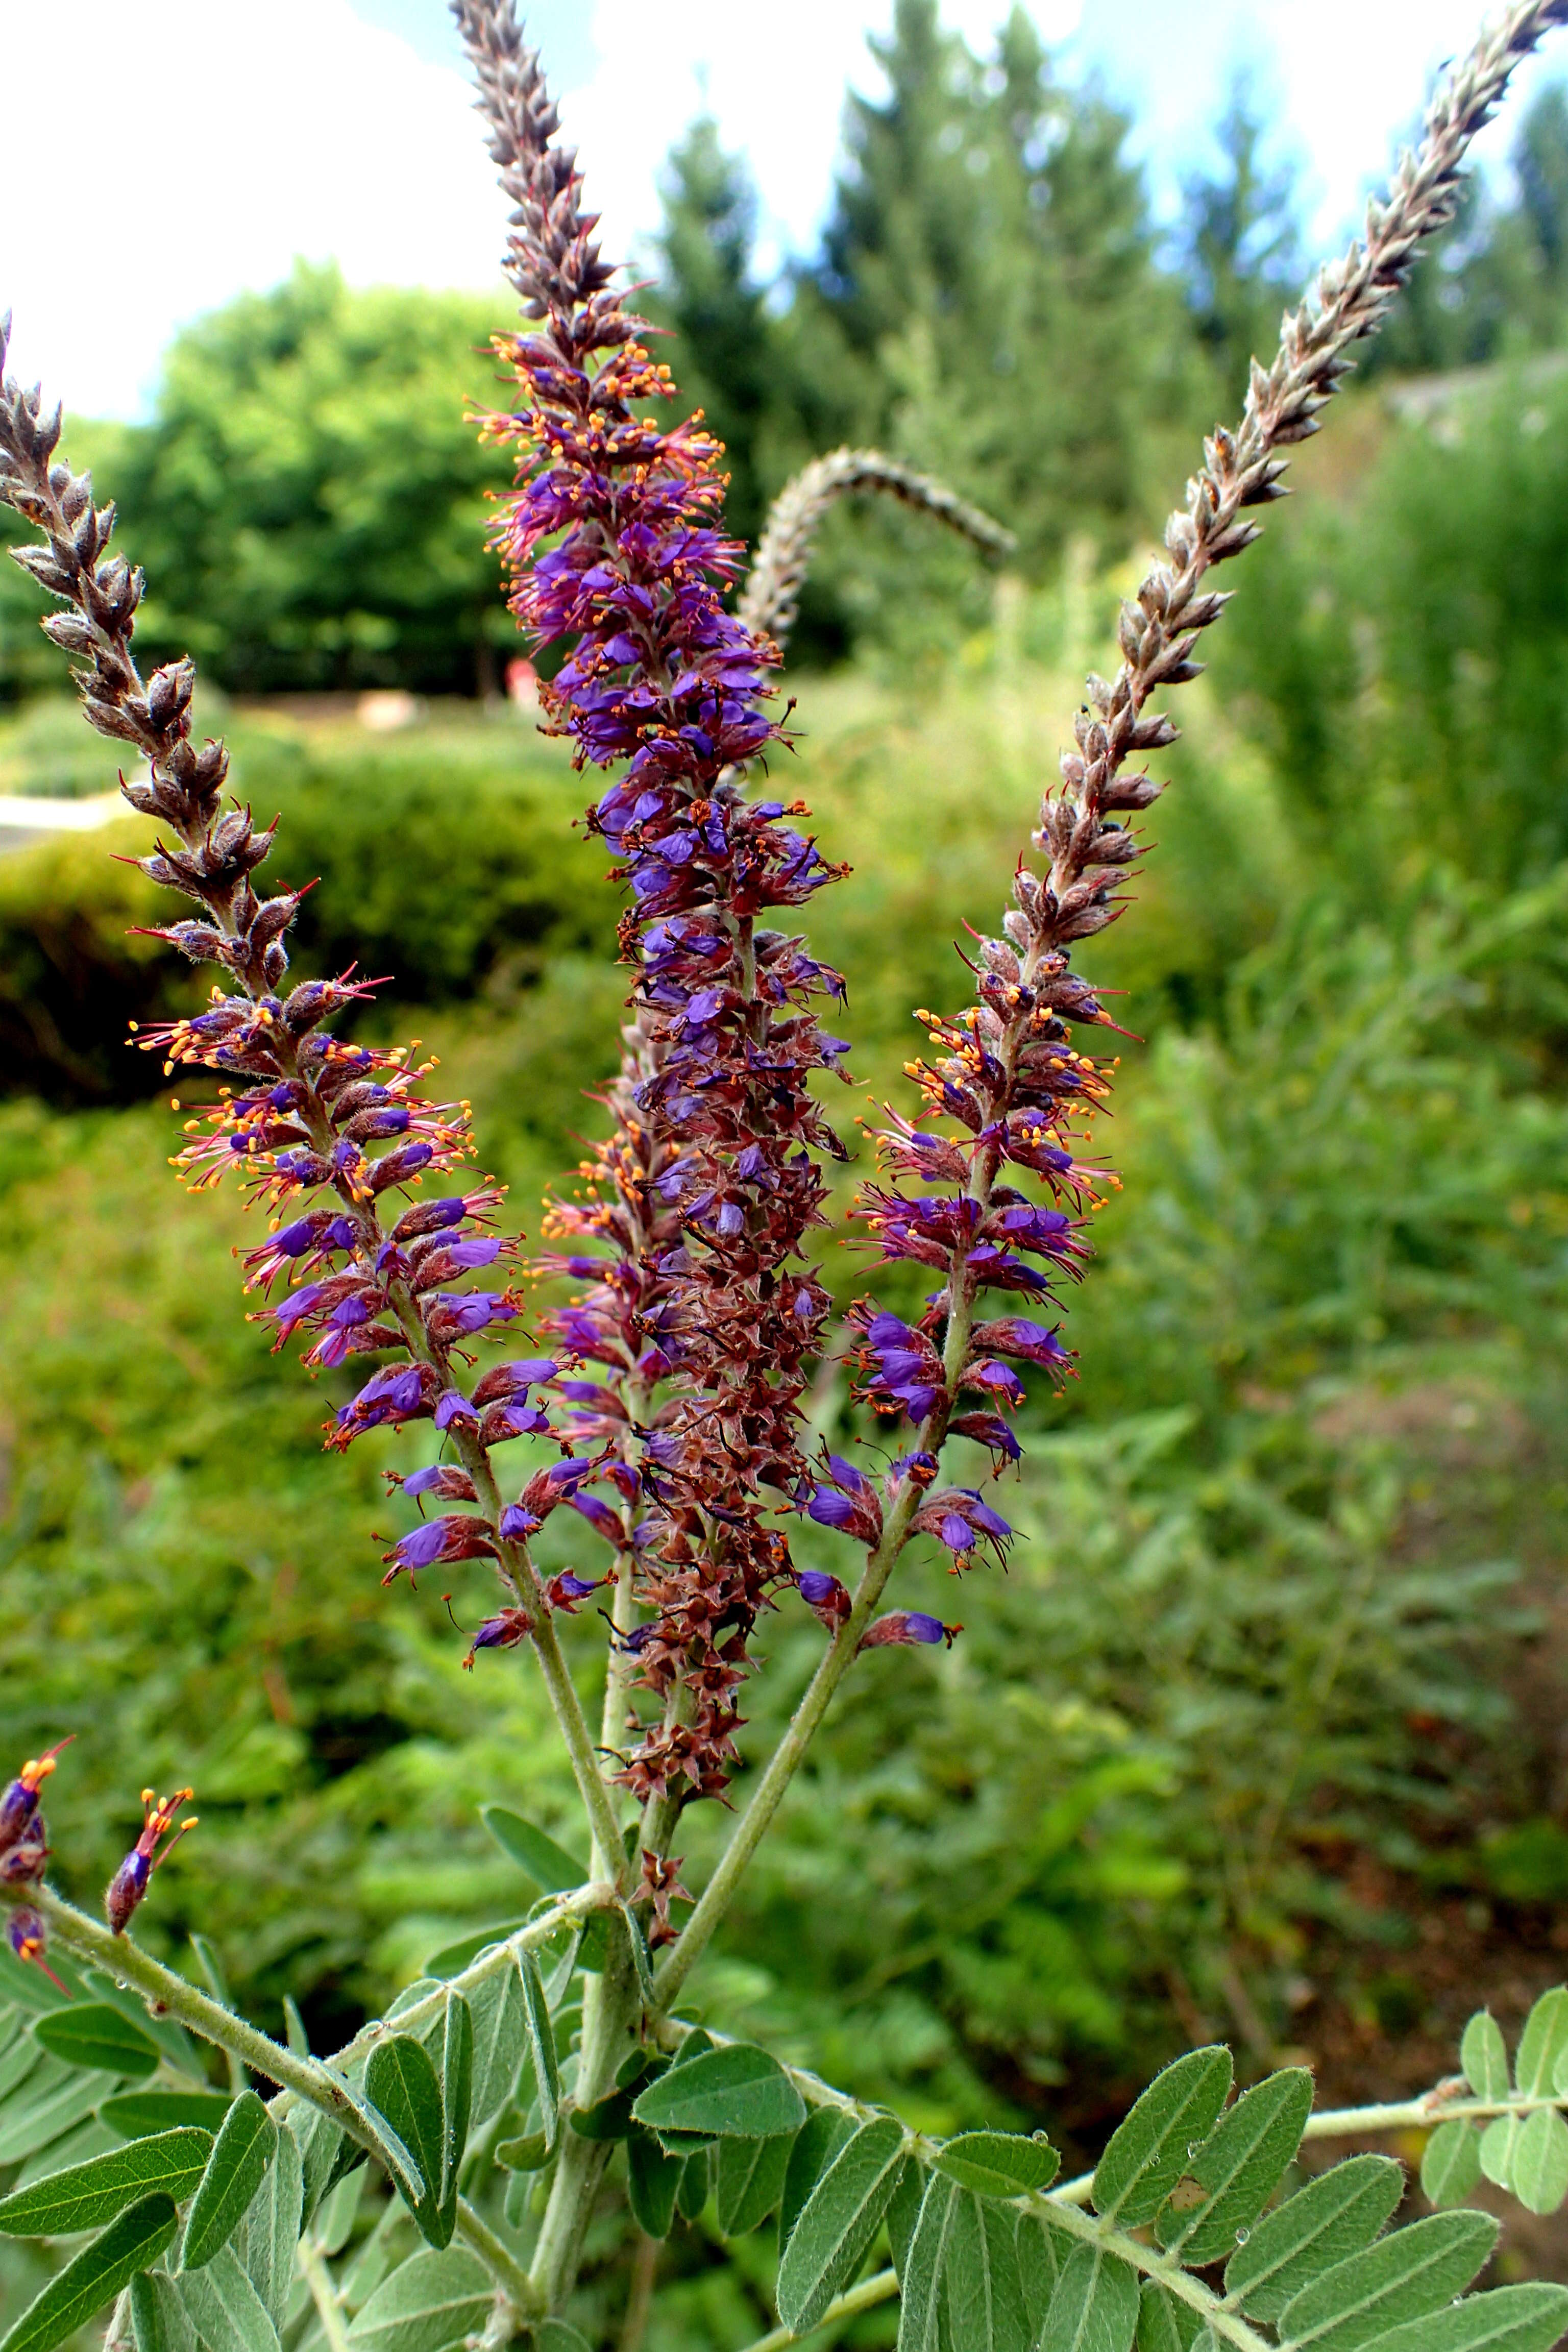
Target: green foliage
[(837, 2222), (82, 2196), (738, 2091), (307, 497), (245, 2147), (95, 2276)]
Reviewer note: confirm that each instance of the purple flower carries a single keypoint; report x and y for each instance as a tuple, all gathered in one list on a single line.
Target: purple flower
[(604, 1521), (516, 1524), (453, 1406), (908, 1626), (1030, 1343), (829, 1601)]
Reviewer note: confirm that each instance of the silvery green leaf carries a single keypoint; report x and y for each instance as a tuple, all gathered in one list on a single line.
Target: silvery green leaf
[(813, 2150), (751, 2177), (691, 2189), (241, 2154), (652, 2179), (86, 2196), (1506, 2319), (1451, 2162), (1238, 2167), (498, 2031), (224, 2306), (456, 2099), (93, 2034), (94, 2278), (1498, 2141), (433, 2300), (1542, 2045), (1153, 2145), (1165, 2324), (1324, 2223), (159, 2320), (541, 2044), (400, 2081), (266, 2238), (837, 2222), (1403, 2277), (998, 2164), (1095, 2307), (53, 2101), (552, 1870), (1042, 2249), (983, 2293), (736, 2091), (1483, 2054), (919, 2306), (1540, 2164)]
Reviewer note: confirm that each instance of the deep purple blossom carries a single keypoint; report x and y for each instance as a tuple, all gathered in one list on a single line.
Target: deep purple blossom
[(910, 1627)]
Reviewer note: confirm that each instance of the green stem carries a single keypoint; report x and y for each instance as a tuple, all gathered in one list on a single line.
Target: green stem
[(323, 2294), (306, 2078), (855, 2299)]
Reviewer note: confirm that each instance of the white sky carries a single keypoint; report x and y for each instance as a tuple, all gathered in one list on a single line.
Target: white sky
[(227, 136)]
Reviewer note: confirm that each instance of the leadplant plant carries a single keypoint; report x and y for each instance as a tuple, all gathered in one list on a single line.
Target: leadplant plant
[(532, 2081)]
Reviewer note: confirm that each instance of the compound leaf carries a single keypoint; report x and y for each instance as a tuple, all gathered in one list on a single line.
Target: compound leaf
[(737, 2091), (998, 2164), (241, 2153), (1095, 2307), (1539, 2165), (1147, 2153), (85, 2196), (1324, 2223), (1506, 2319), (750, 2180), (95, 2276), (92, 2033), (838, 2221), (1403, 2277), (551, 1868), (1483, 2054), (1451, 2162), (1239, 2167), (432, 2301)]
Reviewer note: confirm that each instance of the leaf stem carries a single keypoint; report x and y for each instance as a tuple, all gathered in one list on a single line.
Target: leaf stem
[(853, 2299), (323, 2294)]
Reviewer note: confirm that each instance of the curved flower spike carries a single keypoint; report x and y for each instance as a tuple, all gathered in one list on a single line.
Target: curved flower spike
[(130, 1882)]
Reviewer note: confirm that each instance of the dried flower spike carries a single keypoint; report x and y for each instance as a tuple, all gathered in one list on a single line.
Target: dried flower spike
[(129, 1884)]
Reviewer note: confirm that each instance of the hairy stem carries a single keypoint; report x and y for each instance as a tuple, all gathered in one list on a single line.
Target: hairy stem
[(323, 2294), (855, 2299)]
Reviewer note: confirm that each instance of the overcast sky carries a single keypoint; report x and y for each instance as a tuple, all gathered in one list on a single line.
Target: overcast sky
[(162, 154)]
